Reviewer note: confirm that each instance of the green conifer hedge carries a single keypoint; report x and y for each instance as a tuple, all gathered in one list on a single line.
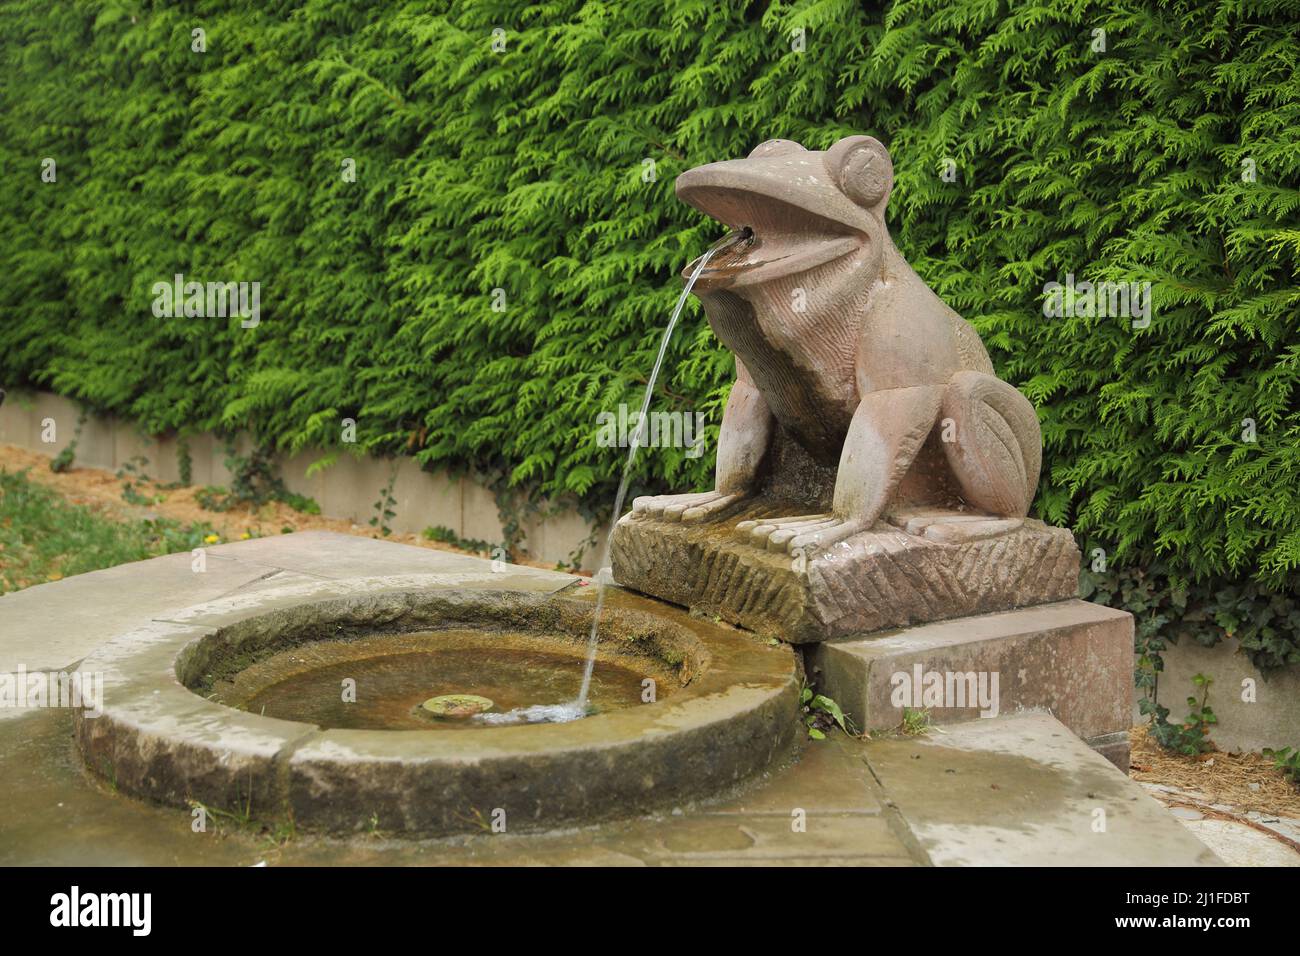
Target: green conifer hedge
[(1130, 140)]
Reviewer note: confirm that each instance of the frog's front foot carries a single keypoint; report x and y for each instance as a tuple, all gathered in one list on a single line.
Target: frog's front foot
[(809, 542), (700, 506), (803, 534)]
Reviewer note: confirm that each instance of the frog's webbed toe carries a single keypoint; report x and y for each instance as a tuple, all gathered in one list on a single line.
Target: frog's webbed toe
[(810, 541), (711, 507), (773, 533), (698, 506)]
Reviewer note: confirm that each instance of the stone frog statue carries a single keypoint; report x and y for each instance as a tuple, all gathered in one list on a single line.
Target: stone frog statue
[(852, 376)]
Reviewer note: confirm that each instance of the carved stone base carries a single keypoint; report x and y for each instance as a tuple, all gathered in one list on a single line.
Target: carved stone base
[(886, 577)]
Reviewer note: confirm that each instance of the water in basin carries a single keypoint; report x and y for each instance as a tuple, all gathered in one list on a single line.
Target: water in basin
[(526, 681)]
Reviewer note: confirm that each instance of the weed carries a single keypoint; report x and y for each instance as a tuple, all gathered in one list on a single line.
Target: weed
[(821, 714), (1192, 736)]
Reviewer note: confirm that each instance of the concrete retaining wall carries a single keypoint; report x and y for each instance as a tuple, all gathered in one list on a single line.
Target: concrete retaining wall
[(1272, 719), (346, 489)]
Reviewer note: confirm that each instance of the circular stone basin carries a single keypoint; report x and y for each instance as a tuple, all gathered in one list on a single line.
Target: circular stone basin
[(240, 705), (467, 673)]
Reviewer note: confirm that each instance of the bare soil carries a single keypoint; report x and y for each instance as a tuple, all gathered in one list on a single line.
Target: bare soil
[(101, 491)]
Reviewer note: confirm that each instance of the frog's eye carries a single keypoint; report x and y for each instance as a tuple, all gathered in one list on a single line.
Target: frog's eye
[(776, 147), (861, 167)]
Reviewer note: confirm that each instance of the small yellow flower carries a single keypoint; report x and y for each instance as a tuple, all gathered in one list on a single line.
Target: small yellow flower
[(245, 536), (212, 539)]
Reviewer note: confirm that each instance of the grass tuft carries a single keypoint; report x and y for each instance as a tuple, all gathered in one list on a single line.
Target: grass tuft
[(45, 538)]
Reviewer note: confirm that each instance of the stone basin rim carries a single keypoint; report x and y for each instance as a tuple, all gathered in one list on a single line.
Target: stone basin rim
[(156, 738)]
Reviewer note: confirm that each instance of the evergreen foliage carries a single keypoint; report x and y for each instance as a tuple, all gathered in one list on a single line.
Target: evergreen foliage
[(522, 170)]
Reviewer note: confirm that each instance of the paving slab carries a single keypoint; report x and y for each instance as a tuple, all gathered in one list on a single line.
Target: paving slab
[(1023, 790), (825, 837), (1241, 845), (329, 554), (56, 814), (832, 778), (52, 626)]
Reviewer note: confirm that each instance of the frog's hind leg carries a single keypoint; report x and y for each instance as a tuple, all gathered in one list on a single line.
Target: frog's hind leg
[(995, 450)]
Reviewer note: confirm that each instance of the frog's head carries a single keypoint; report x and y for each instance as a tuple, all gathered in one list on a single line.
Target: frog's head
[(817, 218)]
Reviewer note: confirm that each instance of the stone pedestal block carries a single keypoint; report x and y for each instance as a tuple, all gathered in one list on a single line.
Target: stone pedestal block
[(1072, 658)]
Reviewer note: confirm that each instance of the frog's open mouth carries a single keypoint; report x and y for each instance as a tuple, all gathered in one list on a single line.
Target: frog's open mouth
[(787, 238), (766, 255)]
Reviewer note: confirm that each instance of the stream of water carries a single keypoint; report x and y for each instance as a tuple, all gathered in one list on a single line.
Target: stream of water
[(558, 713), (604, 574)]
